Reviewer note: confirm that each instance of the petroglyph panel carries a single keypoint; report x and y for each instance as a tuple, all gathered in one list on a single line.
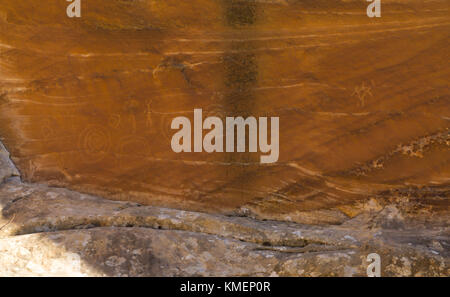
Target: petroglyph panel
[(363, 102)]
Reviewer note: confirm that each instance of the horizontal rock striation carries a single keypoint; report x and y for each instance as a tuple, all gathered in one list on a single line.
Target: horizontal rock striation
[(46, 231), (86, 103), (86, 106), (54, 231)]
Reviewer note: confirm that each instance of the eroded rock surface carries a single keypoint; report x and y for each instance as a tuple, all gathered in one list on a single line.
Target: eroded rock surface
[(86, 106), (7, 168), (54, 231), (86, 103)]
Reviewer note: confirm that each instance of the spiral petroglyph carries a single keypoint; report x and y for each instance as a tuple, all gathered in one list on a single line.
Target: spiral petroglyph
[(95, 143)]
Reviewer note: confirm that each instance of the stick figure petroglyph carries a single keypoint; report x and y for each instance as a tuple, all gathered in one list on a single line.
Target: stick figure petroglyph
[(132, 107), (362, 92), (148, 114), (32, 169)]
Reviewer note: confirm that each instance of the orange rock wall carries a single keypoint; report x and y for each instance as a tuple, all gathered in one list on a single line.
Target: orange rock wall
[(363, 102)]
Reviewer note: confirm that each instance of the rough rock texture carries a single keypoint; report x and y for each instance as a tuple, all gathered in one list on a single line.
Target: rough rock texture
[(58, 232), (86, 103), (7, 168)]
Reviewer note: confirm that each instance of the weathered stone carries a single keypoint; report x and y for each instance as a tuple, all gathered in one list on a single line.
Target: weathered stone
[(7, 168), (86, 103), (149, 252), (53, 231)]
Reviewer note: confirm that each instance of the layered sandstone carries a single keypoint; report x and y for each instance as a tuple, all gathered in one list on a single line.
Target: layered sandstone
[(86, 106), (363, 103), (57, 232)]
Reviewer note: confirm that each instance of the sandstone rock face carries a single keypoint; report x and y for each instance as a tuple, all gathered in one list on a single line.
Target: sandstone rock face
[(53, 231), (48, 231), (86, 106), (87, 103)]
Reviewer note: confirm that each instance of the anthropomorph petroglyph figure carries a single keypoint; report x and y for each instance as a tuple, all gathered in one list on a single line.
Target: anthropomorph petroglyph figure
[(362, 92), (148, 114)]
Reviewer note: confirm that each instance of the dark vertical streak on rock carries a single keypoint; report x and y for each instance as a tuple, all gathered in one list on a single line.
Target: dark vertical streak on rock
[(241, 74), (240, 12)]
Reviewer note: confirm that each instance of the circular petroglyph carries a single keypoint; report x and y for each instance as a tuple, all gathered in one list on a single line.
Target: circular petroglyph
[(94, 143)]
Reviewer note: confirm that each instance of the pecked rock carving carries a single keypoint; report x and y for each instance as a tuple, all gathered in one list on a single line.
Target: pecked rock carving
[(87, 103), (86, 106)]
